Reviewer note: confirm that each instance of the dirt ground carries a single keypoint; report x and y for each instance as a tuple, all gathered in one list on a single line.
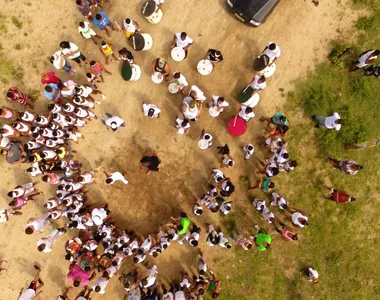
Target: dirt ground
[(299, 28)]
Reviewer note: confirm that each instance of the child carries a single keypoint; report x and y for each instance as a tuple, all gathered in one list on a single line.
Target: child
[(97, 69), (249, 150), (107, 51), (182, 125)]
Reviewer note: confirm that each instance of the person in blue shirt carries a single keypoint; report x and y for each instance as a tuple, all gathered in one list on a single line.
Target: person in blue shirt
[(52, 92), (102, 22)]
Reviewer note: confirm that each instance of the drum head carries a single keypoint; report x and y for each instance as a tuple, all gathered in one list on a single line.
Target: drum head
[(157, 77), (245, 94), (261, 63), (213, 111), (178, 54), (203, 144), (181, 130), (269, 71), (148, 8), (138, 42), (205, 67), (126, 72), (237, 126), (173, 88)]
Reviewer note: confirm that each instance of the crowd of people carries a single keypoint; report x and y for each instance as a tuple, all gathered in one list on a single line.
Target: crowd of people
[(98, 248)]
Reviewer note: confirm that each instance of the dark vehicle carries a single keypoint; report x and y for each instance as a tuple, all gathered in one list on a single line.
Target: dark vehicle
[(252, 11)]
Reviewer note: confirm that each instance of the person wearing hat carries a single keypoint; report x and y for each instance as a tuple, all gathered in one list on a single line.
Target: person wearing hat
[(151, 111), (214, 56), (190, 110), (107, 51), (272, 51), (159, 65), (113, 122), (131, 27), (182, 40)]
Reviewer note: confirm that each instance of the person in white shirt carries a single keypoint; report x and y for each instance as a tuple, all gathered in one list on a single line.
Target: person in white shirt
[(100, 285), (159, 3), (194, 236), (206, 137), (279, 201), (190, 110), (99, 215), (181, 39), (246, 113), (70, 50), (299, 219), (181, 81), (225, 207), (150, 279), (331, 122), (151, 110), (45, 244), (365, 59), (36, 225), (115, 176), (312, 275), (258, 84), (131, 27), (217, 175), (219, 102), (113, 122), (182, 125), (248, 150), (196, 93), (272, 51), (227, 162)]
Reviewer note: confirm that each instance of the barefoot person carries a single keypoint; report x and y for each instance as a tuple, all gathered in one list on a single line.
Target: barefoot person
[(33, 290), (14, 95)]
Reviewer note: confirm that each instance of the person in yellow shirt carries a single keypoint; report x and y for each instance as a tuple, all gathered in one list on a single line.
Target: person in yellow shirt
[(107, 51)]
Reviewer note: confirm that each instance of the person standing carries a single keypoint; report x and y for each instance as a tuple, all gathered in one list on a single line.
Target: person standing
[(14, 95), (60, 63), (33, 290), (258, 84), (45, 244), (84, 7), (312, 275), (331, 122), (159, 3), (97, 69), (215, 56), (246, 113), (151, 111), (272, 51), (190, 110), (219, 102), (88, 33), (248, 151), (102, 22), (53, 93), (181, 81), (286, 233), (115, 176), (340, 197), (159, 65), (107, 50), (182, 40), (131, 27), (113, 122), (349, 167), (70, 50), (8, 114)]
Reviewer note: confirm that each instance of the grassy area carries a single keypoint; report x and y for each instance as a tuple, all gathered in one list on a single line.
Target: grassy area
[(342, 240)]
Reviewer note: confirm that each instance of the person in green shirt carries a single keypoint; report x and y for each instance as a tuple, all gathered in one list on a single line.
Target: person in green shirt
[(184, 223), (262, 239), (264, 184), (277, 119)]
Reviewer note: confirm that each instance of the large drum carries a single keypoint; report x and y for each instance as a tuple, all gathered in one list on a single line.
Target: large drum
[(237, 126), (151, 13), (205, 67), (157, 77), (247, 99), (214, 111), (141, 41), (261, 65), (268, 71), (131, 72), (173, 87), (178, 54)]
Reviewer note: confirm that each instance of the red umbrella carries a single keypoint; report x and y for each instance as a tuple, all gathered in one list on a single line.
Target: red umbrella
[(237, 126)]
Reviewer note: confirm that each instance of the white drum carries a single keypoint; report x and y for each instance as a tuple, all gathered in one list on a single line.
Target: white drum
[(203, 144), (136, 72), (157, 77), (148, 41), (268, 71), (173, 88), (252, 102), (178, 54), (205, 67), (150, 12), (213, 111)]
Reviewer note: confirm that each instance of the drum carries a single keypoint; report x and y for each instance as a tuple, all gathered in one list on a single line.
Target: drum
[(141, 41), (173, 88), (150, 12), (246, 98), (213, 111), (268, 71), (157, 77), (261, 62), (130, 74), (181, 130), (178, 54), (205, 67), (237, 126), (203, 144)]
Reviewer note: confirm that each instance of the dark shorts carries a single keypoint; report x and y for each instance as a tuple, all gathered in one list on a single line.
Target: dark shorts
[(79, 58), (33, 285)]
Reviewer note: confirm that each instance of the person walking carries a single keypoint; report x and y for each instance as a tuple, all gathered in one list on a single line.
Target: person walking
[(107, 50), (103, 22), (97, 69), (14, 95), (8, 114), (113, 122), (71, 51), (272, 51), (60, 63), (331, 122), (366, 58), (115, 176), (262, 239), (33, 290), (130, 27), (340, 197), (349, 167), (88, 33)]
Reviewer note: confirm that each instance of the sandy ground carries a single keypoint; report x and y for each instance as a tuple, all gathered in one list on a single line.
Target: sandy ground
[(300, 29)]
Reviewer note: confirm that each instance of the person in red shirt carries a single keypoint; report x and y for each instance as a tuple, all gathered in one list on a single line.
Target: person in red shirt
[(49, 77), (286, 233), (340, 197)]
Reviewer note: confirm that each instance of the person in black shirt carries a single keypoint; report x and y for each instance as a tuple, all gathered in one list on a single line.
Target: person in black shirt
[(214, 56), (151, 162)]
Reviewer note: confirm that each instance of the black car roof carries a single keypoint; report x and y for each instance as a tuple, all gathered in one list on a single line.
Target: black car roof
[(256, 9)]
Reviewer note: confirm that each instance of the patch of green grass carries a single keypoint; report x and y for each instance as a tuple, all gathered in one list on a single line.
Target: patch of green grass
[(16, 22), (18, 46), (3, 27), (8, 71)]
